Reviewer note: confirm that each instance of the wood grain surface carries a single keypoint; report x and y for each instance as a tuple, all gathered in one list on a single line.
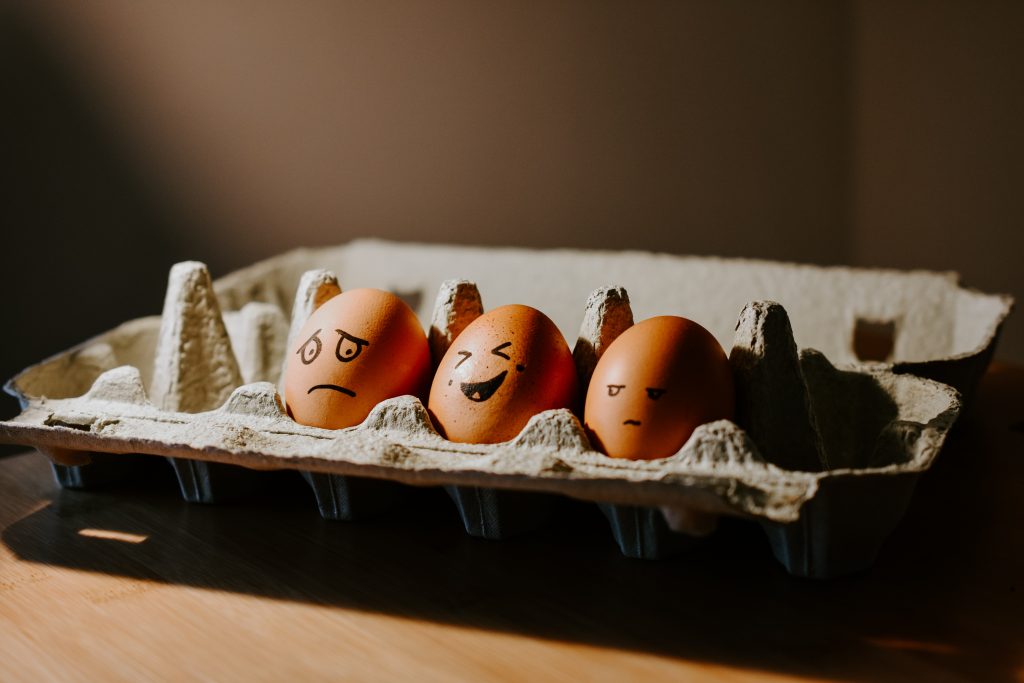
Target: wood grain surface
[(130, 583)]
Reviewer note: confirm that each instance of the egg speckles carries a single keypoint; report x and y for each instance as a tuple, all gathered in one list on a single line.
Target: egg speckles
[(358, 349), (654, 385), (506, 366)]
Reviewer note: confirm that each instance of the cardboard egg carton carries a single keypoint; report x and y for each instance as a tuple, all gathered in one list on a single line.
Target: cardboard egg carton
[(823, 455)]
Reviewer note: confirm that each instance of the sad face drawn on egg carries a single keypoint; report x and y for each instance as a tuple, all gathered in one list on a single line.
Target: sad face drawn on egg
[(481, 391), (359, 348), (348, 349), (655, 384), (505, 367)]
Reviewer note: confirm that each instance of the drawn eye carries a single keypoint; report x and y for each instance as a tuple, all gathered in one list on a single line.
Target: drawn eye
[(310, 349), (349, 347), (497, 350), (465, 356), (654, 394), (614, 389)]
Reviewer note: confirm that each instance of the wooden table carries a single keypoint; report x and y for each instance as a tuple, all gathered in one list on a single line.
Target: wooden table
[(133, 584)]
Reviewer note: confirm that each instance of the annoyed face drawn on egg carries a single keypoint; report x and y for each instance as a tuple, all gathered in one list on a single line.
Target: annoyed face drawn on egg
[(656, 383), (505, 367), (358, 349)]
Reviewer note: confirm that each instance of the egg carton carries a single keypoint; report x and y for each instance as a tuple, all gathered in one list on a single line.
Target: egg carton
[(824, 453)]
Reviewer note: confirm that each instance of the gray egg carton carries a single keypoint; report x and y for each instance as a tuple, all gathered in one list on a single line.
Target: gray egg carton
[(826, 458)]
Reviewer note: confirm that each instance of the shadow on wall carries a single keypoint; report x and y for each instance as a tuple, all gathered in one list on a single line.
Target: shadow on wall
[(87, 243), (686, 127)]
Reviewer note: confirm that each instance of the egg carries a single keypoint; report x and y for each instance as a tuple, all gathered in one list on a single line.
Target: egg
[(359, 348), (656, 383), (505, 367)]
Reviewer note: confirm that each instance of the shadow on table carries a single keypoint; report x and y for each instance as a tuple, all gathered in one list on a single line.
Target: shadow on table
[(726, 601)]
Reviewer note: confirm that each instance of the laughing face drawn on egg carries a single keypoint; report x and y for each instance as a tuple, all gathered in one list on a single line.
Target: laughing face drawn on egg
[(656, 383), (358, 349), (481, 391), (506, 366)]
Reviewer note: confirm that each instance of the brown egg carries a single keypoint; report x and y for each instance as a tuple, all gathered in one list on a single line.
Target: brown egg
[(505, 367), (654, 385), (357, 349)]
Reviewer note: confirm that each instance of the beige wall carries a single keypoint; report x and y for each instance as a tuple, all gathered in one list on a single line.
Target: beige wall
[(864, 133), (938, 143)]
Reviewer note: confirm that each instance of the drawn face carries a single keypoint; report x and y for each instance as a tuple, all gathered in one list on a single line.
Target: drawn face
[(348, 349), (653, 393), (654, 385), (356, 350), (505, 367), (483, 390)]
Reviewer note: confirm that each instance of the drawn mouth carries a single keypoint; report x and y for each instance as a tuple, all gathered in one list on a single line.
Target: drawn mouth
[(332, 387), (481, 391), (635, 423)]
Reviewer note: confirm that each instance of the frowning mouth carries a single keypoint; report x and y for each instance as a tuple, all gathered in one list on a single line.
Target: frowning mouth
[(635, 423), (481, 391), (332, 387)]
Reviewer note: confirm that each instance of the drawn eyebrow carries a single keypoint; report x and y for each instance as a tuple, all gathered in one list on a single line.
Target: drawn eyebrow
[(465, 356), (353, 338), (654, 393), (497, 350)]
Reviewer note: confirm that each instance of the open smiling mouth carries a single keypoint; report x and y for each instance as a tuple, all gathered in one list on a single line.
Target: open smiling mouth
[(481, 391), (332, 387)]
